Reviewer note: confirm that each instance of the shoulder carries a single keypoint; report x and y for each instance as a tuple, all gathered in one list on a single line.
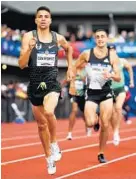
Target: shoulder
[(60, 37), (113, 53), (113, 56), (86, 52), (84, 56), (28, 35)]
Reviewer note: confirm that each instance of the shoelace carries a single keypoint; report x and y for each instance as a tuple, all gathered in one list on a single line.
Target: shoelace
[(51, 165), (55, 149)]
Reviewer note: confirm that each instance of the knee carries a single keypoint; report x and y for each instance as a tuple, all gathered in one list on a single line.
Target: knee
[(90, 119), (74, 110), (89, 123), (104, 126), (42, 126), (49, 113), (118, 108)]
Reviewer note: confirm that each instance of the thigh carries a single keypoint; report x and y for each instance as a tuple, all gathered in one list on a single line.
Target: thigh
[(74, 106), (120, 99), (90, 108), (38, 112), (106, 108), (50, 101)]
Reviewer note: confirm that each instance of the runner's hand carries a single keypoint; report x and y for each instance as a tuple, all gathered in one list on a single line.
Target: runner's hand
[(70, 74), (131, 85), (32, 43), (107, 75)]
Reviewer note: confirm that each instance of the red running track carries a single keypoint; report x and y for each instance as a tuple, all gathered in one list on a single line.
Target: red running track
[(23, 158)]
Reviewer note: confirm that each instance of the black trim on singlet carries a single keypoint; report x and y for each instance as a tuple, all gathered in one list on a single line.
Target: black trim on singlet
[(54, 37), (34, 32), (92, 54)]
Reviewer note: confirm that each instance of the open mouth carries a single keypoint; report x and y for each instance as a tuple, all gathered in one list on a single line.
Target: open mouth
[(101, 43)]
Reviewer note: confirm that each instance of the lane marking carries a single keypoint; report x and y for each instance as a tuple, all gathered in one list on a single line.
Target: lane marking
[(38, 143), (60, 140), (96, 166), (35, 136), (64, 151)]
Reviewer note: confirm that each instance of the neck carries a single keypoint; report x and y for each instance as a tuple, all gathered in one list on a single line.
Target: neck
[(43, 32), (102, 49)]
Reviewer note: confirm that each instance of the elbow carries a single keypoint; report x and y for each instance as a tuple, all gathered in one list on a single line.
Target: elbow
[(70, 50), (119, 79), (21, 65)]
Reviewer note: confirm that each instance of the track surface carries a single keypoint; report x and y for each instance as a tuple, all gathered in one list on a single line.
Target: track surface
[(23, 157)]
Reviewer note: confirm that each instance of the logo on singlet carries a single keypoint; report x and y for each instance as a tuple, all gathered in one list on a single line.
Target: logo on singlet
[(51, 46), (38, 46), (46, 52), (109, 95), (106, 60)]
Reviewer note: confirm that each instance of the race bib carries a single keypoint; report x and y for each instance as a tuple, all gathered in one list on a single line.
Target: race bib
[(96, 77), (97, 83), (45, 60), (79, 85)]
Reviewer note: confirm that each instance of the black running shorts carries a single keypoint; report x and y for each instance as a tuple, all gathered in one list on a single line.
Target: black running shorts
[(80, 100), (97, 96), (119, 90), (36, 95)]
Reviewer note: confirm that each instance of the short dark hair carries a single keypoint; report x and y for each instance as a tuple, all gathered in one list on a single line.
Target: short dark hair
[(99, 30), (43, 8)]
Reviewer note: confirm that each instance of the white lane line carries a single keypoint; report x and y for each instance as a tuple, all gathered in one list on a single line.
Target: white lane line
[(19, 137), (60, 140), (38, 143), (35, 136), (64, 151), (34, 132), (96, 166)]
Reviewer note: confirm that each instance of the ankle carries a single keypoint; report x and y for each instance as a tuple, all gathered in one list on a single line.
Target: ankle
[(101, 153)]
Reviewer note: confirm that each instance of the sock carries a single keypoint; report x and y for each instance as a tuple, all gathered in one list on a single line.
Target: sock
[(88, 129), (69, 133), (100, 153), (54, 143), (116, 132)]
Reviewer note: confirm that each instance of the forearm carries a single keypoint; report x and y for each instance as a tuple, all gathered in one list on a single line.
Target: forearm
[(69, 53), (116, 77), (130, 71), (63, 83), (23, 60)]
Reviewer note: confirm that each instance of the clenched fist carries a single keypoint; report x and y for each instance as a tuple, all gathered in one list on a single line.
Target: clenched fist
[(32, 43)]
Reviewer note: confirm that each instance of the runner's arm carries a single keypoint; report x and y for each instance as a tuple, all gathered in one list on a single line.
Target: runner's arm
[(25, 51), (115, 61), (128, 66), (68, 49)]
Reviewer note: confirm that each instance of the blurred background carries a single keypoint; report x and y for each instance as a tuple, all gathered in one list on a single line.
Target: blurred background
[(77, 21)]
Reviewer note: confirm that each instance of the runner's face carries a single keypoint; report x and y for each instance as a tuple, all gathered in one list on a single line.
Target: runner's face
[(101, 38), (43, 19)]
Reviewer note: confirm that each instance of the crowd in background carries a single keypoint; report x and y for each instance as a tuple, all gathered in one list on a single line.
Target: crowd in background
[(78, 35), (14, 93), (79, 40)]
